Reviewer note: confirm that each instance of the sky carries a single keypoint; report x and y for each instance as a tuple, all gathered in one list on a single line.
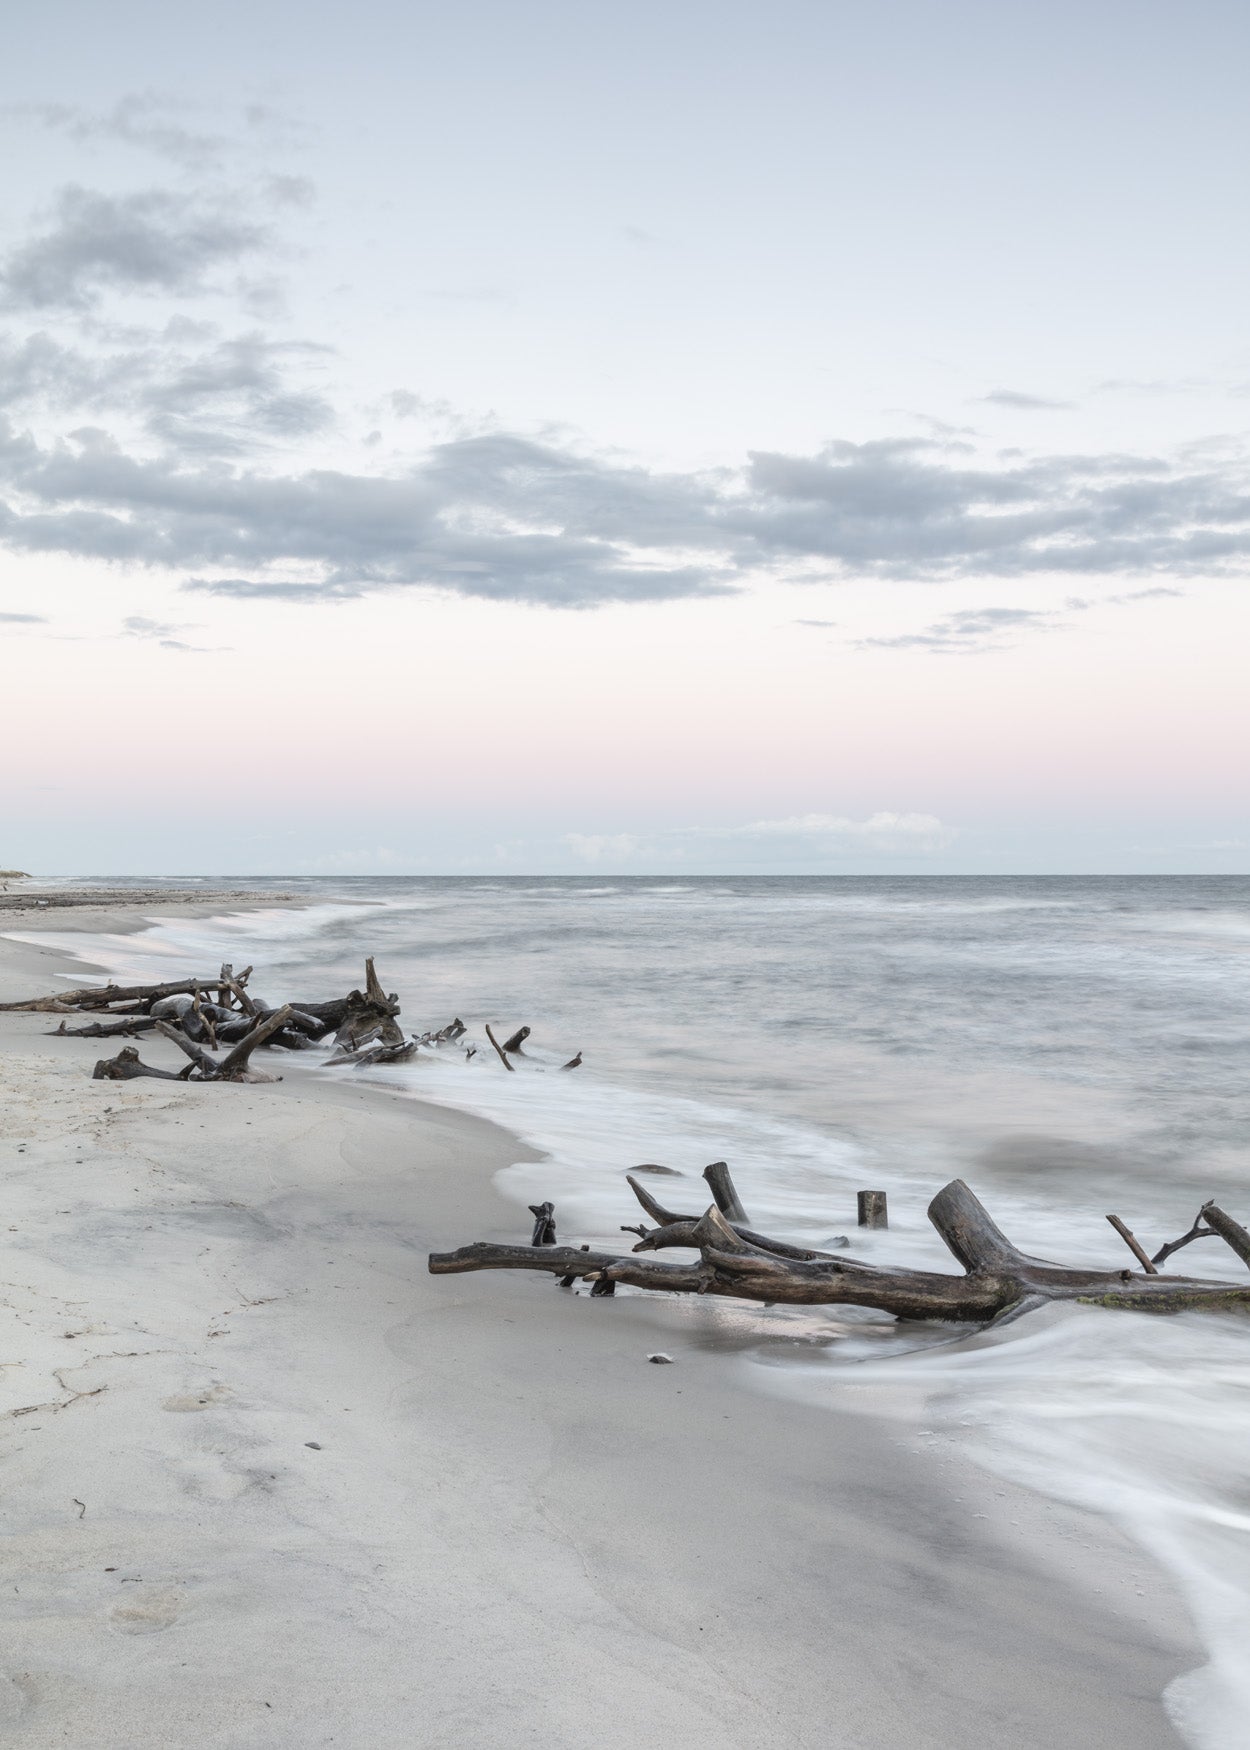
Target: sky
[(588, 439)]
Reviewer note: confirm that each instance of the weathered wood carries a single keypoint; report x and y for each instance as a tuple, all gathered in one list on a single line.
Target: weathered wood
[(872, 1209), (1130, 1240), (233, 1067), (1196, 1232), (678, 1230), (517, 1040), (127, 1028), (383, 1054), (101, 996), (544, 1224), (127, 1067), (724, 1193), (997, 1278), (569, 1280), (1230, 1231), (208, 1066), (573, 1063), (499, 1050)]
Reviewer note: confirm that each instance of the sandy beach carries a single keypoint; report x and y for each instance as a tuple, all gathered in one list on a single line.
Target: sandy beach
[(267, 1483)]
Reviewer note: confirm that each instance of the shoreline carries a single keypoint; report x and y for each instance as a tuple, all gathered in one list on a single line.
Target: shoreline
[(516, 1531)]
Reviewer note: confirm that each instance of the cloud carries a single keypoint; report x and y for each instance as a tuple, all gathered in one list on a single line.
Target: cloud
[(971, 629), (618, 847), (139, 626), (162, 632), (156, 124), (803, 838), (1022, 403), (883, 831), (508, 518), (142, 119), (153, 240), (23, 619), (189, 450), (974, 630)]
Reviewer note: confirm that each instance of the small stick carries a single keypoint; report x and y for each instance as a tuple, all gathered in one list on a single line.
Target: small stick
[(1196, 1232), (872, 1209), (1126, 1234), (503, 1056), (573, 1063)]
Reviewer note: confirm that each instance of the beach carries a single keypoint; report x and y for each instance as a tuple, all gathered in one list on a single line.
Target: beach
[(268, 1483)]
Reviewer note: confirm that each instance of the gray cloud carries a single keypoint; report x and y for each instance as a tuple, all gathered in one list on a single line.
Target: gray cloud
[(506, 517), (23, 619), (190, 387), (1022, 403), (186, 448), (968, 630), (975, 630), (162, 632), (142, 119), (157, 124), (153, 240)]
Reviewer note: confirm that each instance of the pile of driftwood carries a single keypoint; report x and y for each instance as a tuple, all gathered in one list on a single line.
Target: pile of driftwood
[(998, 1280), (202, 1015)]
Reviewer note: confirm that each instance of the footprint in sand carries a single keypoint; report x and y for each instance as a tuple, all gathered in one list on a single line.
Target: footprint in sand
[(146, 1615), (197, 1400)]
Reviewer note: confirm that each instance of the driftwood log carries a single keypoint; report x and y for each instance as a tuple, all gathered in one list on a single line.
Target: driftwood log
[(997, 1277)]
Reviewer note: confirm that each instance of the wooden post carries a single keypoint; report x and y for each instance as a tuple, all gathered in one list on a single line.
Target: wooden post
[(872, 1209)]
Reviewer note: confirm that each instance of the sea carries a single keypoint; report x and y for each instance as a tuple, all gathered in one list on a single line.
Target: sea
[(1071, 1047)]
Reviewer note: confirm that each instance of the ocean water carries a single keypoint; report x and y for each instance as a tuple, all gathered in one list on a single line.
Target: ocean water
[(1069, 1046)]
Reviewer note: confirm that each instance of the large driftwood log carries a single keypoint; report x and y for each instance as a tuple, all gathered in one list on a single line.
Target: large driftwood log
[(997, 1278), (127, 1028), (102, 996)]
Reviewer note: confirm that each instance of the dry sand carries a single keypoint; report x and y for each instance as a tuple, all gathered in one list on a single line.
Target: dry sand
[(267, 1483)]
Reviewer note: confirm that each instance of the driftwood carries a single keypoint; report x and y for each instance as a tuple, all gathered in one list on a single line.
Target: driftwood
[(502, 1054), (126, 1067), (381, 1054), (184, 1012), (573, 1063), (998, 1278), (517, 1040), (872, 1209), (231, 1068), (672, 1229), (127, 1028), (103, 996), (1131, 1241), (544, 1224)]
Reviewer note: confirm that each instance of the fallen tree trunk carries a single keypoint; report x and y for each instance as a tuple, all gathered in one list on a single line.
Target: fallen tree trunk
[(101, 996), (997, 1278), (126, 1028)]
